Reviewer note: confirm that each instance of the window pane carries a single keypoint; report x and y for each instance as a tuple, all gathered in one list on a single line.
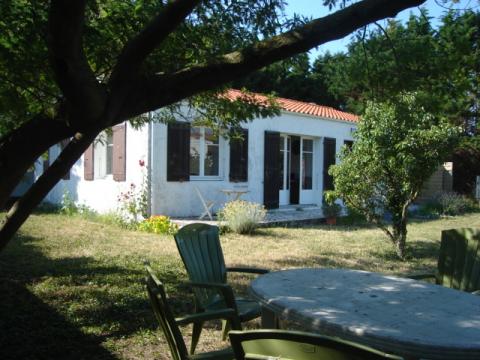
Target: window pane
[(307, 145), (109, 154), (307, 171), (195, 135), (211, 160)]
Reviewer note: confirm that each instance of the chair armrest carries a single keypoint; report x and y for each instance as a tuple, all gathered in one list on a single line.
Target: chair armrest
[(247, 270), (206, 316), (421, 276), (225, 291)]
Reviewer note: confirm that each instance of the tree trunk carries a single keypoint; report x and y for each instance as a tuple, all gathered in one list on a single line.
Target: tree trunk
[(20, 211), (400, 235), (20, 149)]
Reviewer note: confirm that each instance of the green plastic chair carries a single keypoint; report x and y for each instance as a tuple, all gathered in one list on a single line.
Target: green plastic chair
[(201, 252), (459, 260), (295, 345), (169, 324)]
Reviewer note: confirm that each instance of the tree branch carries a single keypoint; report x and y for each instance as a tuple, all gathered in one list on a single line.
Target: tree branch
[(164, 89), (20, 211), (135, 52), (73, 74), (21, 147)]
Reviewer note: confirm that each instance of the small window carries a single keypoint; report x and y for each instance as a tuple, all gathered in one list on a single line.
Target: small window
[(204, 152), (103, 156)]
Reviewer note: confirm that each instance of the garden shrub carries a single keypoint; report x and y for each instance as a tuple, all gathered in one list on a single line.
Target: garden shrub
[(158, 224), (455, 204), (242, 217)]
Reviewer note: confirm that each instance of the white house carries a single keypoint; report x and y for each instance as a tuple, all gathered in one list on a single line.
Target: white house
[(280, 161)]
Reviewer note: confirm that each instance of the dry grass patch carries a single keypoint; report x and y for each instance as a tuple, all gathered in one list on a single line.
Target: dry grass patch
[(71, 287)]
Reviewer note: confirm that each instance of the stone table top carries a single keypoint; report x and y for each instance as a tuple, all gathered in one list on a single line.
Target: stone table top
[(396, 315)]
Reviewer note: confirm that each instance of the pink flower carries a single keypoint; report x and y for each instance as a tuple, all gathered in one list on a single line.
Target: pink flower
[(141, 163)]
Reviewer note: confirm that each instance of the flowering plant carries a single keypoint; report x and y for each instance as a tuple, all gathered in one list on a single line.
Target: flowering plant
[(158, 224), (133, 203)]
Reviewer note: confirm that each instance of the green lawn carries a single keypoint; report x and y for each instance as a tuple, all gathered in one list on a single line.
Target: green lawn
[(70, 287)]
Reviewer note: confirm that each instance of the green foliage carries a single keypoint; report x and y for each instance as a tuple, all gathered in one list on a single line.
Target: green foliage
[(68, 206), (455, 204), (158, 224), (28, 87), (330, 208), (242, 217), (397, 148), (440, 65)]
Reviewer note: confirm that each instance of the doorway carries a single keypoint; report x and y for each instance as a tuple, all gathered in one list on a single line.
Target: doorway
[(296, 163)]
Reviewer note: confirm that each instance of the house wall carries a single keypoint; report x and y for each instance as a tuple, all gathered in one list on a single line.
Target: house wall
[(181, 199), (101, 194), (439, 182)]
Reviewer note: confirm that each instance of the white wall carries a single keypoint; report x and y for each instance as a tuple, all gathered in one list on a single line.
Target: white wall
[(101, 194), (180, 198)]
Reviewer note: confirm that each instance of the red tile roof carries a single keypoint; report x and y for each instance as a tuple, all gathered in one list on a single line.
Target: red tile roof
[(300, 107)]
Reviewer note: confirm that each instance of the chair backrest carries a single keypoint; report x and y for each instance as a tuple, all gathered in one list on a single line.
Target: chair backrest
[(459, 259), (158, 300), (294, 345), (201, 253)]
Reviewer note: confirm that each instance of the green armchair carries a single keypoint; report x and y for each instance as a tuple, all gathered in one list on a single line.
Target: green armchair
[(201, 252), (169, 324), (278, 344), (459, 261)]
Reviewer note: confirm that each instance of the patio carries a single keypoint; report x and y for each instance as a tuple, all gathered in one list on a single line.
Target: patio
[(287, 215)]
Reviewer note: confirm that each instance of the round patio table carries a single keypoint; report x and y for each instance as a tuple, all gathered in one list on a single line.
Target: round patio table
[(397, 315)]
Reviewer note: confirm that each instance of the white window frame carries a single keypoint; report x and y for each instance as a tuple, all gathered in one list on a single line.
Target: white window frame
[(203, 146)]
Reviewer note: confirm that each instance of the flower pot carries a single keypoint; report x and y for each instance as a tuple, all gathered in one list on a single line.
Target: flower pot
[(331, 220)]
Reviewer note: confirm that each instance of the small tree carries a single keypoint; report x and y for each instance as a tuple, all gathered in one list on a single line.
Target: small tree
[(398, 147)]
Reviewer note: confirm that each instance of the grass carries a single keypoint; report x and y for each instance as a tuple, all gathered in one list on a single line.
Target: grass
[(70, 287)]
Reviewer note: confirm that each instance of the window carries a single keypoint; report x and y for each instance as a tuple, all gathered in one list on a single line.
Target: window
[(204, 152), (307, 164), (103, 156)]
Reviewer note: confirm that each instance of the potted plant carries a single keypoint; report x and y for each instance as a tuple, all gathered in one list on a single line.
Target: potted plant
[(331, 209)]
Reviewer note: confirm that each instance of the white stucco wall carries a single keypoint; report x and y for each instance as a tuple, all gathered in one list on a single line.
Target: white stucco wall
[(180, 198), (101, 194)]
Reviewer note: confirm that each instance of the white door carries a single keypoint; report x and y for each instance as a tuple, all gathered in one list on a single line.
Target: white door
[(285, 148), (306, 172)]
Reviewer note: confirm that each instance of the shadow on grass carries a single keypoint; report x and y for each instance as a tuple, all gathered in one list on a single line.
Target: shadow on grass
[(31, 329), (66, 308)]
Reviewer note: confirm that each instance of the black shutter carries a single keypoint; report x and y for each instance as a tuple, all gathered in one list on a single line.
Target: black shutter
[(239, 158), (329, 149), (271, 179), (178, 152)]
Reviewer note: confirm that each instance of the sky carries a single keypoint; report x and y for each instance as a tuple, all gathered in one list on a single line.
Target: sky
[(315, 9)]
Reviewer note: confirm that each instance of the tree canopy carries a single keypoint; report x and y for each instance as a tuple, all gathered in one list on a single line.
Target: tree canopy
[(398, 146)]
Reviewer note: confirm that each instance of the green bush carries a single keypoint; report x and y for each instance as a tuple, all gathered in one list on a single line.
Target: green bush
[(158, 224), (352, 217), (455, 204), (242, 217)]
